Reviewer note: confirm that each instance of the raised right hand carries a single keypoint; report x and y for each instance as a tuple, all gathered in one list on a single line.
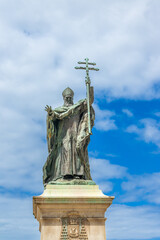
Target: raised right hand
[(48, 109)]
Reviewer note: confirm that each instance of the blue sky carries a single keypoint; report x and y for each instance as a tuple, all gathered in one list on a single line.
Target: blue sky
[(41, 42)]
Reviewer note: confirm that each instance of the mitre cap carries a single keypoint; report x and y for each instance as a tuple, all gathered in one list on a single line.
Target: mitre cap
[(68, 92)]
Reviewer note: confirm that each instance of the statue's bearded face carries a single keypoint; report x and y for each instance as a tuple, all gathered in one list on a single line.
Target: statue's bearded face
[(68, 101)]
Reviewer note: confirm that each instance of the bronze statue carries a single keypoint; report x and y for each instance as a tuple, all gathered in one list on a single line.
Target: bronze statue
[(68, 136)]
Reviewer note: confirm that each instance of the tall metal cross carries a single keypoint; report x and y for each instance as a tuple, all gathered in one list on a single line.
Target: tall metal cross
[(88, 82)]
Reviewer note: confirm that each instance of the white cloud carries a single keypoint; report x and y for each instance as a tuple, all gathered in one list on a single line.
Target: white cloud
[(111, 155), (126, 222), (149, 131), (127, 112), (17, 221), (40, 46), (22, 151), (105, 186), (42, 42), (102, 171), (142, 187), (157, 114), (103, 119), (135, 188)]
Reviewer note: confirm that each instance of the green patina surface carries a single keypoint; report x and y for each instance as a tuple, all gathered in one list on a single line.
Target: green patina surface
[(68, 139), (72, 182), (68, 134)]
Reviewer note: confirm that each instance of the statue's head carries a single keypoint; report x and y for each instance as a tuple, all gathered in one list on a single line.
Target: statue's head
[(68, 97)]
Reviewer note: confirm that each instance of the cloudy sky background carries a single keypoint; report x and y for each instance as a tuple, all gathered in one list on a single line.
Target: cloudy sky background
[(40, 44)]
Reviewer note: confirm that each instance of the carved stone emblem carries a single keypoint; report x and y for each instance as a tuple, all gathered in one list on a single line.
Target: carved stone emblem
[(73, 228)]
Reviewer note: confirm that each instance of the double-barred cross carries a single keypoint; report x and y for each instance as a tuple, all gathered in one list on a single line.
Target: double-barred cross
[(87, 68), (88, 82)]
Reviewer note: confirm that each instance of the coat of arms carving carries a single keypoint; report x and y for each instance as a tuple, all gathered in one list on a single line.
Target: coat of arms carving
[(73, 228)]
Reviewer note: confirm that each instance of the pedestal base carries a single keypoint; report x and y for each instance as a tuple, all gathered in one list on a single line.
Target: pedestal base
[(71, 212)]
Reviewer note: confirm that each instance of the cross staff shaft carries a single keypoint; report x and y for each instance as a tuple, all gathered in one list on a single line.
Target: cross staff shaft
[(88, 87)]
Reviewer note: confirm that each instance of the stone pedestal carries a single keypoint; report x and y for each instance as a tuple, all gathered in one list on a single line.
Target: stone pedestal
[(71, 212)]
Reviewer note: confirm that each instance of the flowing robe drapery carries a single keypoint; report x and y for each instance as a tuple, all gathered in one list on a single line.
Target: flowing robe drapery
[(68, 139)]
